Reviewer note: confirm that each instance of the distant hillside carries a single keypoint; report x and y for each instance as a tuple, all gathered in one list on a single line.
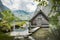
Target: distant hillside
[(2, 7), (23, 15), (21, 12)]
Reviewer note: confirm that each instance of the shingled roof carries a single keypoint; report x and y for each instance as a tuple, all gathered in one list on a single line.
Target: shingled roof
[(40, 12)]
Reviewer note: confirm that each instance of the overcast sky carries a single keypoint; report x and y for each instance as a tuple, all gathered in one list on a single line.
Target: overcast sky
[(27, 5)]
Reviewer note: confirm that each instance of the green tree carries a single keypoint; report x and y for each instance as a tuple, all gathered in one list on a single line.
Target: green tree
[(42, 2), (7, 15), (7, 19), (54, 20)]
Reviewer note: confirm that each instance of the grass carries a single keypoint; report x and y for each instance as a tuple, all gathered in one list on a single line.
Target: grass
[(3, 36), (41, 34)]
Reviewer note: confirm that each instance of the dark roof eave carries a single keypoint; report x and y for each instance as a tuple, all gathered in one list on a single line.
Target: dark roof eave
[(40, 12)]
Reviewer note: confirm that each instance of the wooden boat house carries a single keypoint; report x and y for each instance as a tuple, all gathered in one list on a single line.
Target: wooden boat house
[(39, 20)]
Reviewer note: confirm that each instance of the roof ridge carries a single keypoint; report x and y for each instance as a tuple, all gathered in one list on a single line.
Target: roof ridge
[(40, 12)]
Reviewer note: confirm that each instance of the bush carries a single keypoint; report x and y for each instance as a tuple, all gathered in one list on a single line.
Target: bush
[(54, 27), (21, 23)]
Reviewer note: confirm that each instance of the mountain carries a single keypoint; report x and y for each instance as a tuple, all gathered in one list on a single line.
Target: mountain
[(21, 12), (2, 7), (23, 15)]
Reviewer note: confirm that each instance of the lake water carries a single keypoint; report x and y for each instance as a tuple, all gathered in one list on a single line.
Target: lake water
[(19, 32)]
